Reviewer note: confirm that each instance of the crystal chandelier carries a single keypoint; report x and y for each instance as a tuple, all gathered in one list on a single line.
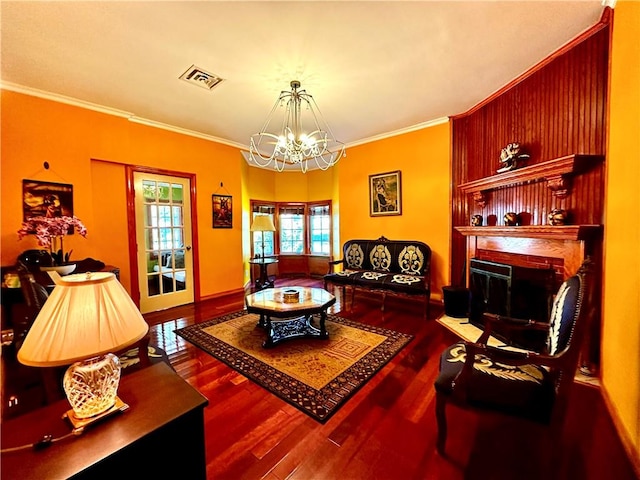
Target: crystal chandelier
[(299, 140)]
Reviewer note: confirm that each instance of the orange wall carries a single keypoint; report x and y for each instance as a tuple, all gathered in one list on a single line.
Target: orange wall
[(423, 159), (261, 184), (621, 316), (35, 130)]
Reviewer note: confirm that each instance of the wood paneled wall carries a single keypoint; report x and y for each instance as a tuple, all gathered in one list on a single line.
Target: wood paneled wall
[(557, 108)]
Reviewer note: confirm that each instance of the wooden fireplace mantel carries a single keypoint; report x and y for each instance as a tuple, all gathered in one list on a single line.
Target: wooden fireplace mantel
[(557, 173), (571, 243), (557, 232)]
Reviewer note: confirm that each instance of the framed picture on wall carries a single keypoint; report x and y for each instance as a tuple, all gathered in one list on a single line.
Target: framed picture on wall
[(385, 194), (222, 212), (46, 199)]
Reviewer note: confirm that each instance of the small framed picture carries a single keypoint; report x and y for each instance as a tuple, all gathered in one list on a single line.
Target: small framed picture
[(46, 199), (222, 211), (385, 194)]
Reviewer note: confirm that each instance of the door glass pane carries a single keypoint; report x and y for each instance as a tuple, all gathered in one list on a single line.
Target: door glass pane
[(167, 283), (149, 190), (152, 262), (177, 238), (151, 238), (176, 193), (164, 191), (165, 238), (150, 215), (177, 216), (153, 285), (178, 259), (164, 214)]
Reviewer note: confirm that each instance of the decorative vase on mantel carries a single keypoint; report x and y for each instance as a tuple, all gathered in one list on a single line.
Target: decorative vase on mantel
[(557, 216)]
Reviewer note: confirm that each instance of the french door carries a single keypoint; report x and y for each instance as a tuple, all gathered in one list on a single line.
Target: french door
[(164, 240)]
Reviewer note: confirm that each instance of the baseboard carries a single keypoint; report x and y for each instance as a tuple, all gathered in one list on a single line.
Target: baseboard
[(223, 294), (630, 449)]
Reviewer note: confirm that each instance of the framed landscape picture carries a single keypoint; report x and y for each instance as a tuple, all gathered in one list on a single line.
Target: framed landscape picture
[(385, 194), (222, 212)]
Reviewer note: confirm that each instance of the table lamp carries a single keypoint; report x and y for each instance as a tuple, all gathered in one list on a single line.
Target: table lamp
[(86, 316), (263, 223)]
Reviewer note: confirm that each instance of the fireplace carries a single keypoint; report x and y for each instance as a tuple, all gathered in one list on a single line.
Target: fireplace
[(513, 291)]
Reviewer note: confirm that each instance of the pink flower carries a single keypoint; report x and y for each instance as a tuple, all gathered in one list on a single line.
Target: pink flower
[(49, 230)]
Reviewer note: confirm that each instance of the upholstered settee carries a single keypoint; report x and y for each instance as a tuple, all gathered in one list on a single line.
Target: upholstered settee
[(399, 267)]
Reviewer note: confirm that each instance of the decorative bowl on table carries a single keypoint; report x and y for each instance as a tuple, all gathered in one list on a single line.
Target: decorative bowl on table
[(291, 296), (61, 269)]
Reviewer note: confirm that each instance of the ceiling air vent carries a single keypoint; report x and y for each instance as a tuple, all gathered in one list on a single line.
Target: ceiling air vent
[(197, 76)]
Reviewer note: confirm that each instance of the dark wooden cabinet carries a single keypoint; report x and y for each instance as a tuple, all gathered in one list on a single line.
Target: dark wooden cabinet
[(161, 435)]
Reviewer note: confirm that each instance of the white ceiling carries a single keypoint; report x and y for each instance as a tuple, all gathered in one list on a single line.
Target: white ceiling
[(373, 67)]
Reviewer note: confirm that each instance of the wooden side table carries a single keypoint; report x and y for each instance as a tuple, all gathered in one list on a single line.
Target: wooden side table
[(263, 281), (161, 435)]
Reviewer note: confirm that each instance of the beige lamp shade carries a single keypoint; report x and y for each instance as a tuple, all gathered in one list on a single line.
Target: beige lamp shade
[(263, 223), (86, 315)]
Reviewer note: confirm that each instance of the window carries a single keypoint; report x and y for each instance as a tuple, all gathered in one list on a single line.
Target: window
[(301, 228), (319, 229), (265, 249), (291, 229)]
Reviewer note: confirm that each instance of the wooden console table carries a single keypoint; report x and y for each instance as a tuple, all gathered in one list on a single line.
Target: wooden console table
[(161, 435)]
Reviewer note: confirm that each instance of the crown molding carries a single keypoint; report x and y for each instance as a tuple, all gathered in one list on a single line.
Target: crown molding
[(34, 92), (54, 97), (413, 128), (185, 131)]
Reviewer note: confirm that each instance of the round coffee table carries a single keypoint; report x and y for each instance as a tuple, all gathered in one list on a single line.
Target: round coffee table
[(286, 313)]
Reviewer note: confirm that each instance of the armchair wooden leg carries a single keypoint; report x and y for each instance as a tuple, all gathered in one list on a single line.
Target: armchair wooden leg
[(441, 418)]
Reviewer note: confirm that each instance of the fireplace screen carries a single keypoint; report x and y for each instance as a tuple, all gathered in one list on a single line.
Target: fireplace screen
[(512, 291)]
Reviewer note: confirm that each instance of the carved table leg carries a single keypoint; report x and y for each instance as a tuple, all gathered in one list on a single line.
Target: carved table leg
[(323, 330)]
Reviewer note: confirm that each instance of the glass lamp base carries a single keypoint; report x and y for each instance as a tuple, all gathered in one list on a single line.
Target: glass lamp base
[(79, 424), (92, 385)]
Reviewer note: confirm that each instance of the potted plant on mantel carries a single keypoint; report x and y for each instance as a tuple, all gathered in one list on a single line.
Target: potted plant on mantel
[(50, 233)]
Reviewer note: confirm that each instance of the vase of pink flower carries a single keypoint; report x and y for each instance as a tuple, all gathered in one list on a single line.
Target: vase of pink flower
[(50, 233)]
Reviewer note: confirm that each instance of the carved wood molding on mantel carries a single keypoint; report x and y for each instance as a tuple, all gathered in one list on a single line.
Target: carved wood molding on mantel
[(555, 232), (556, 172)]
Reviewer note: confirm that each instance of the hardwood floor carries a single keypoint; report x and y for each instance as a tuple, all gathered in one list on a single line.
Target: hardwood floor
[(387, 429)]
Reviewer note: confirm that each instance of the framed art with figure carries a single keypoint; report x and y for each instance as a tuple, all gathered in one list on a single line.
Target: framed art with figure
[(385, 194), (46, 199), (222, 212)]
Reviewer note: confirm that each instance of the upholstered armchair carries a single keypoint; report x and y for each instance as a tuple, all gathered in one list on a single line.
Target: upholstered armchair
[(521, 383)]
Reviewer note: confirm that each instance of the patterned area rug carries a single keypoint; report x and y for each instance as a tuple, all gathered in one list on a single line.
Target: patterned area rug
[(317, 376)]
